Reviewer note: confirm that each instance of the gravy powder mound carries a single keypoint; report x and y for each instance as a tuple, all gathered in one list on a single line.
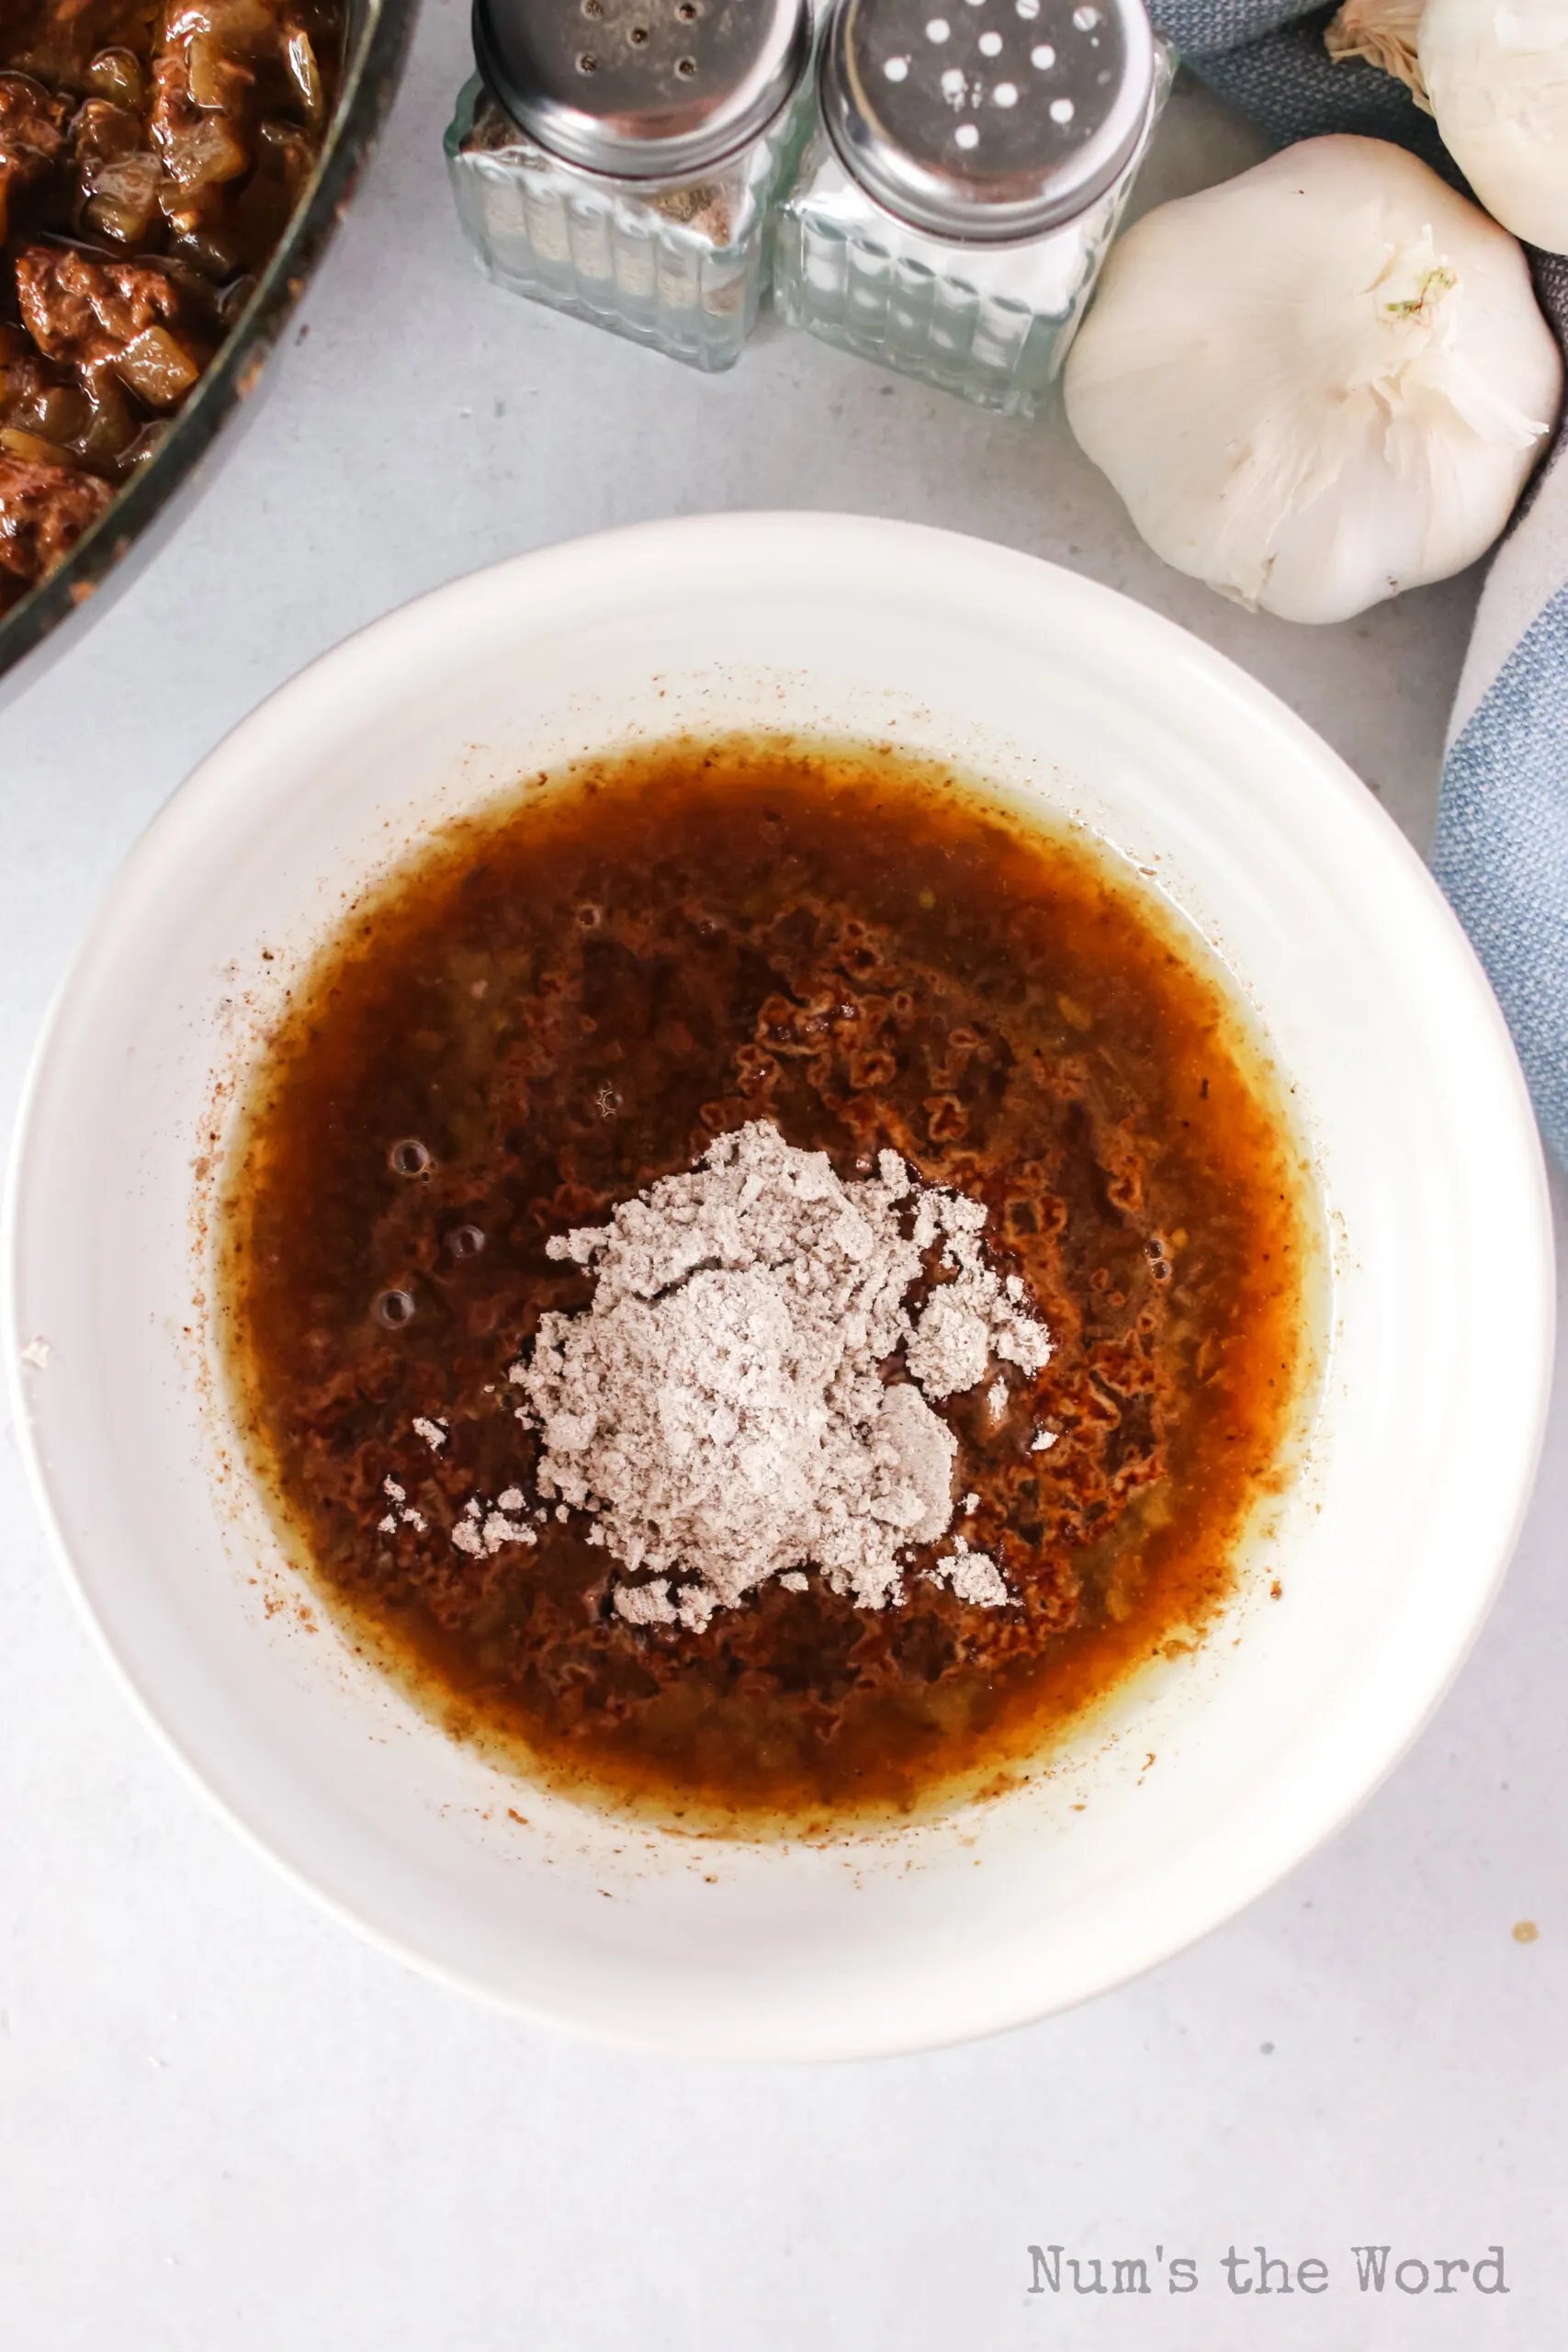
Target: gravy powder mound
[(720, 1406)]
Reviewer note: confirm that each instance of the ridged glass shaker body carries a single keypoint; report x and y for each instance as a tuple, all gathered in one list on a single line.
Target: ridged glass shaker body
[(953, 209), (619, 161)]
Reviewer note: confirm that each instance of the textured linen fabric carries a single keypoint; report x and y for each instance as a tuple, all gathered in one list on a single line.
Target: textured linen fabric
[(1501, 851)]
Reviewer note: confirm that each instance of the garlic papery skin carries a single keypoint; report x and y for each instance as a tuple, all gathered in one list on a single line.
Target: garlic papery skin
[(1382, 33), (1319, 383), (1496, 77)]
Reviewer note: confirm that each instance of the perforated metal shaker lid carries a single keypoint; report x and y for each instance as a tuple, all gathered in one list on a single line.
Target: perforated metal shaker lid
[(642, 89), (991, 119)]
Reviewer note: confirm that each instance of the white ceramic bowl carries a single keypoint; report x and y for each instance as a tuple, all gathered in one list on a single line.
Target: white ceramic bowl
[(1388, 1552)]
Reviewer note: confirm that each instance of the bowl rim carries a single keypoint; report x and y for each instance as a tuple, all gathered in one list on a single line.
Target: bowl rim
[(705, 538)]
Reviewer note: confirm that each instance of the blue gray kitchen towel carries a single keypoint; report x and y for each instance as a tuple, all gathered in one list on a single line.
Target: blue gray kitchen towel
[(1501, 851)]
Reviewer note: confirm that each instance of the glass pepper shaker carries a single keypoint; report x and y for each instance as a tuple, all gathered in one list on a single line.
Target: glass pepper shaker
[(951, 211), (617, 159)]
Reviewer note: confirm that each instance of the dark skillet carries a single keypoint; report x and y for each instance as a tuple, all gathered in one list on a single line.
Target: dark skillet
[(106, 558)]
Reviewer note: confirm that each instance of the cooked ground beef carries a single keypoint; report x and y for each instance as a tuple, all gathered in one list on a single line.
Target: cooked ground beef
[(44, 509), (85, 312), (32, 138)]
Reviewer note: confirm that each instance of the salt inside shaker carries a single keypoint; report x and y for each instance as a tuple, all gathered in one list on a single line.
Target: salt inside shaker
[(617, 159), (953, 210)]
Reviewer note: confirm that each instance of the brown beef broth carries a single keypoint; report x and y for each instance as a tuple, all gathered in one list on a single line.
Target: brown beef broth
[(567, 999)]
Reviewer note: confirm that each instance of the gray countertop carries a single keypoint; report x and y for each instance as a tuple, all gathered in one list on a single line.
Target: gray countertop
[(225, 2122)]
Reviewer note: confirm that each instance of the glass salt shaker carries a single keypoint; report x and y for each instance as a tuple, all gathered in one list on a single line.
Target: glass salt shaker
[(617, 159), (951, 211)]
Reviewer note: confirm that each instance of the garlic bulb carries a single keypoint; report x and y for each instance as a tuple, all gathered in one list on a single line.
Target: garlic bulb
[(1318, 383), (1496, 75)]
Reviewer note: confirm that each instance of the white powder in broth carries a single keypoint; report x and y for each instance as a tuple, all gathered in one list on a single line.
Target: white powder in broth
[(728, 1408)]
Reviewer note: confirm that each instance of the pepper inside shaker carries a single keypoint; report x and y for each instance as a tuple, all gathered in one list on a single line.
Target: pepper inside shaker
[(617, 159), (952, 213)]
